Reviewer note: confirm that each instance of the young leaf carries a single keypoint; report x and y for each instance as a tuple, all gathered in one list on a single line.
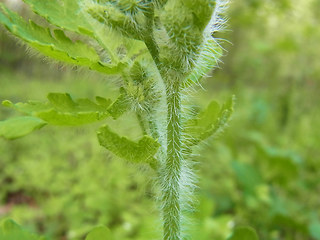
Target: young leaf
[(244, 233), (20, 126), (136, 152), (210, 122), (9, 230), (99, 233), (57, 46)]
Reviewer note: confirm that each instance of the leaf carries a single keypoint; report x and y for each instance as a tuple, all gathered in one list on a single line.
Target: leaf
[(9, 230), (210, 122), (71, 15), (66, 14), (244, 233), (136, 152), (208, 59), (119, 106), (62, 110), (99, 233), (57, 45), (20, 126)]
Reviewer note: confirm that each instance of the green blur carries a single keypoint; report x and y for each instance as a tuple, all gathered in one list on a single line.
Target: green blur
[(262, 172)]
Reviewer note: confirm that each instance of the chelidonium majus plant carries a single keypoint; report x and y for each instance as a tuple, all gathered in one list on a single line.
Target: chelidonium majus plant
[(160, 50)]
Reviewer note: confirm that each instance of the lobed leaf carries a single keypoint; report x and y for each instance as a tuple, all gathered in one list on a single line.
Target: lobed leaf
[(71, 15), (135, 152), (65, 14), (57, 45), (20, 126), (210, 122), (61, 109), (119, 106)]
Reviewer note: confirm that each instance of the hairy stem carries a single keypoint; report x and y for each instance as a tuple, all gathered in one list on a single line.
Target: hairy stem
[(149, 38), (153, 128), (172, 166), (142, 123)]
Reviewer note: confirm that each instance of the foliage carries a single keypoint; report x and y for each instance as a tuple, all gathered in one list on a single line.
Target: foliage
[(275, 124), (158, 56)]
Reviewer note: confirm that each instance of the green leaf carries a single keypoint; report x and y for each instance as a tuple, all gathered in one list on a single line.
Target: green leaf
[(208, 59), (244, 233), (66, 14), (65, 111), (57, 45), (9, 230), (99, 233), (210, 122), (119, 106), (60, 110), (71, 15), (136, 152), (18, 127)]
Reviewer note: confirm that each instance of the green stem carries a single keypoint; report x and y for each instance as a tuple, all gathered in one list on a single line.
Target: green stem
[(153, 128), (142, 123), (172, 169), (149, 38)]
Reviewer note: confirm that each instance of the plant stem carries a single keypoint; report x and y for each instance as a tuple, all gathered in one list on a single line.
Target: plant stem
[(172, 167), (141, 123)]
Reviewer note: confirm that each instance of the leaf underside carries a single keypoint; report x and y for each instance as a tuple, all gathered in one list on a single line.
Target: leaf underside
[(65, 14), (55, 43), (135, 152), (69, 15)]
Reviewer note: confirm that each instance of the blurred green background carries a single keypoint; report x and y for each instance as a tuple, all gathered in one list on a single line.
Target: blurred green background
[(263, 172)]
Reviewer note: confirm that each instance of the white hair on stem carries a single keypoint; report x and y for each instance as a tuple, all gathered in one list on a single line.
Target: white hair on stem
[(218, 20)]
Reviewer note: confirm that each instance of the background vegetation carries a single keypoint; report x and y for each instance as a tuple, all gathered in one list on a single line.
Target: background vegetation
[(263, 172)]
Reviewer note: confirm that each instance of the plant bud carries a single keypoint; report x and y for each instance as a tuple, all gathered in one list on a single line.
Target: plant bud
[(184, 21), (140, 88), (134, 6), (110, 14)]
